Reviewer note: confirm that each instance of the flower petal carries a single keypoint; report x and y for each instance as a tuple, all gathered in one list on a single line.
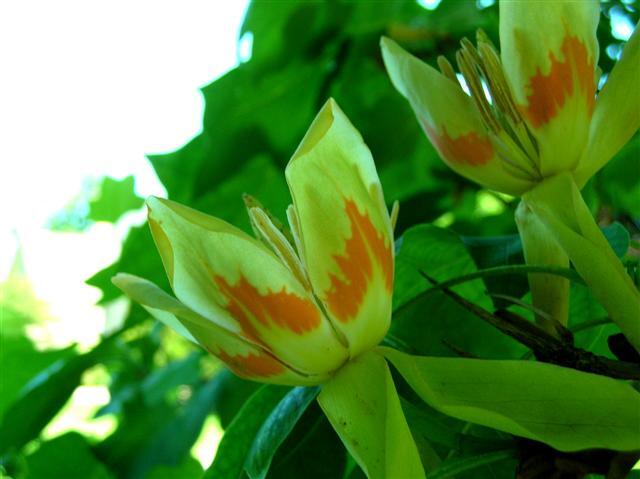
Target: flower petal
[(345, 233), (232, 279), (243, 358), (617, 113), (450, 119), (550, 54)]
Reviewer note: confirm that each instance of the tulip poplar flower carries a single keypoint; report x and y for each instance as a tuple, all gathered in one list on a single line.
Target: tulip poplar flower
[(303, 312), (533, 125)]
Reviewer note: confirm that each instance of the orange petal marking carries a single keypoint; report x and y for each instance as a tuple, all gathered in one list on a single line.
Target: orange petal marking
[(252, 365), (468, 149), (549, 92), (365, 247), (283, 309)]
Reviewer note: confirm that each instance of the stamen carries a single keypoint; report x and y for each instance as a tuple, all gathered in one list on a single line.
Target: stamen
[(395, 210), (470, 74), (447, 70), (252, 202), (294, 224), (274, 237), (489, 88)]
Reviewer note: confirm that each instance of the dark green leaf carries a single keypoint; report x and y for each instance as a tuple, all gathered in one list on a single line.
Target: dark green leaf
[(239, 436), (67, 456), (465, 464), (276, 429), (43, 397)]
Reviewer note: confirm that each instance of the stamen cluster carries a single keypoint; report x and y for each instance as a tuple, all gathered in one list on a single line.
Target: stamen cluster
[(482, 72)]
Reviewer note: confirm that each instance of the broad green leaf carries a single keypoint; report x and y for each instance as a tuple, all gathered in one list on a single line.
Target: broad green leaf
[(493, 251), (567, 409), (441, 255), (276, 429), (618, 183), (21, 361), (363, 407), (190, 468), (171, 444), (67, 456), (239, 436), (42, 398), (312, 450), (432, 323), (285, 31), (559, 205), (466, 464), (116, 197), (162, 380), (233, 393)]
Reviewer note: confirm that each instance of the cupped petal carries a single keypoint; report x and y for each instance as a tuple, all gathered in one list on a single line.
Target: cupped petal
[(451, 120), (550, 54), (235, 281), (243, 358), (345, 237), (617, 113)]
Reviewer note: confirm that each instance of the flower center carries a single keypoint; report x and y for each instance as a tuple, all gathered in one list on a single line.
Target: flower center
[(482, 71)]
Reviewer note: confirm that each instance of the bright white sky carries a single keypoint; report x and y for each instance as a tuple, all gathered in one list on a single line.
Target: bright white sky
[(88, 87)]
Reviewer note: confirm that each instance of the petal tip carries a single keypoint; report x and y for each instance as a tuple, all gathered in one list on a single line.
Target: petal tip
[(319, 127)]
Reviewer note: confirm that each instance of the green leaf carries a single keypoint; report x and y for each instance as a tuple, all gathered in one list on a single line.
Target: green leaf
[(363, 407), (21, 361), (184, 371), (567, 409), (618, 238), (116, 197), (67, 456), (458, 465), (276, 429), (431, 323), (313, 450), (239, 436), (619, 183), (440, 254), (172, 443), (190, 468), (43, 397)]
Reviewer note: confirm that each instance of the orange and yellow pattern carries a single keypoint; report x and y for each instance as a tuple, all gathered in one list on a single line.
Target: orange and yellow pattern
[(466, 149), (364, 251), (251, 301), (271, 309), (574, 74)]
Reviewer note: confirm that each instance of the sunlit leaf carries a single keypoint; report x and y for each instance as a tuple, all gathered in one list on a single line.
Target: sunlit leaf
[(115, 198), (567, 409)]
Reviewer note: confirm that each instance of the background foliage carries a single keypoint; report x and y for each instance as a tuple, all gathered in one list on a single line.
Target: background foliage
[(163, 390)]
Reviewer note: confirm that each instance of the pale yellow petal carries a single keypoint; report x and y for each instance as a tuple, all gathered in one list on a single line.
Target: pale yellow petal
[(236, 281), (345, 232), (617, 113), (550, 54)]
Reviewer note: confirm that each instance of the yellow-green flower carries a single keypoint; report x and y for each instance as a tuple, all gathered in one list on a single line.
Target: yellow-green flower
[(540, 133), (303, 312)]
